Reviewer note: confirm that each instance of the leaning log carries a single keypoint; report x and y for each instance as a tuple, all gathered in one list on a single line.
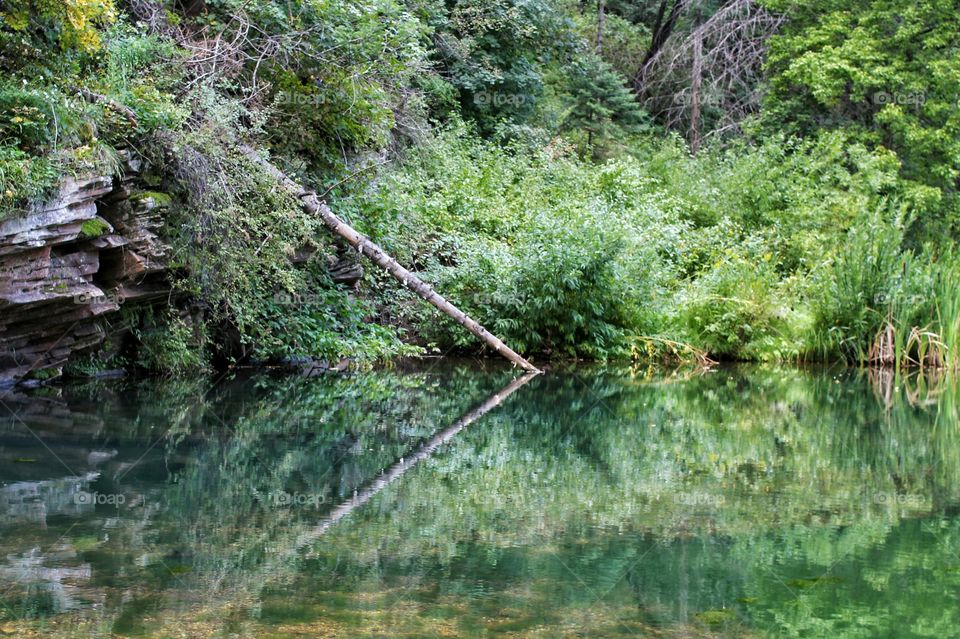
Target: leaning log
[(314, 206)]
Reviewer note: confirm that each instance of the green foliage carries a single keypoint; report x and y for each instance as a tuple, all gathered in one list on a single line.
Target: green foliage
[(24, 179), (334, 80), (173, 346), (47, 129), (753, 249), (885, 71), (323, 321), (624, 43), (602, 106), (252, 254), (90, 364), (730, 252), (738, 310), (496, 53), (74, 24), (552, 254), (854, 292), (557, 289)]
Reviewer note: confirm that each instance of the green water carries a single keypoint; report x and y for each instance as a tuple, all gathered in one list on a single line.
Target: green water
[(590, 503)]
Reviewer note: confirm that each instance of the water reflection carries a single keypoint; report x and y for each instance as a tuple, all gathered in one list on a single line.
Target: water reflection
[(591, 502)]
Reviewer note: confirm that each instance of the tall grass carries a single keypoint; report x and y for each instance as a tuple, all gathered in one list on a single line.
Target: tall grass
[(853, 299), (948, 310), (879, 305)]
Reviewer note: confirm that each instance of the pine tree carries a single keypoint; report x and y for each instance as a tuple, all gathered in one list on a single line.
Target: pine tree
[(602, 105)]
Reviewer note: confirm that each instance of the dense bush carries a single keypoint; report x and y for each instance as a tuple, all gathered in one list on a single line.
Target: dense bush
[(734, 251), (740, 309), (538, 247), (884, 72)]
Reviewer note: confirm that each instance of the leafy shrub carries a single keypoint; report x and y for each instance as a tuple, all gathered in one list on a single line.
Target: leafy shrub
[(736, 310), (547, 251), (76, 23), (171, 346), (323, 321), (558, 289), (251, 254), (24, 179)]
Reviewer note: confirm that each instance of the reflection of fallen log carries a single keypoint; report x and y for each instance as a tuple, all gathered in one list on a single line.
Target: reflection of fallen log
[(382, 480)]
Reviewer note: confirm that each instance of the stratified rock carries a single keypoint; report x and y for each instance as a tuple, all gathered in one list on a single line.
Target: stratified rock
[(66, 264), (58, 221)]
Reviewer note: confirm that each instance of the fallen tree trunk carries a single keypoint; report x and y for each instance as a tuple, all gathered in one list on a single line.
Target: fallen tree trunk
[(312, 205)]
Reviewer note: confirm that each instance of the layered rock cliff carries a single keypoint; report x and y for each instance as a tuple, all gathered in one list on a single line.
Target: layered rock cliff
[(69, 263)]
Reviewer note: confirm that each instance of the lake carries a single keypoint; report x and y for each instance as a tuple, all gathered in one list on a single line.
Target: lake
[(458, 499)]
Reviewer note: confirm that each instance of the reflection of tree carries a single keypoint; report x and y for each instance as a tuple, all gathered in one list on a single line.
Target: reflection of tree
[(720, 487), (390, 475), (796, 458)]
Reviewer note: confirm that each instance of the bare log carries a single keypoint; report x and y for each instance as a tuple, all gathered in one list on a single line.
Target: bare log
[(314, 206)]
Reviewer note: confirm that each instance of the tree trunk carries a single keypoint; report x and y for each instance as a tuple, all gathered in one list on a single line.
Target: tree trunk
[(312, 205), (601, 20), (695, 83), (662, 28)]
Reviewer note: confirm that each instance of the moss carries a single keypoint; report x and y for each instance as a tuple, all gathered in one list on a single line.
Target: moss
[(94, 228), (159, 199)]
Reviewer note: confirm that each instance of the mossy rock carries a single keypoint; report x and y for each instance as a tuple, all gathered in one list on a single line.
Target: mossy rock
[(160, 200), (94, 228)]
